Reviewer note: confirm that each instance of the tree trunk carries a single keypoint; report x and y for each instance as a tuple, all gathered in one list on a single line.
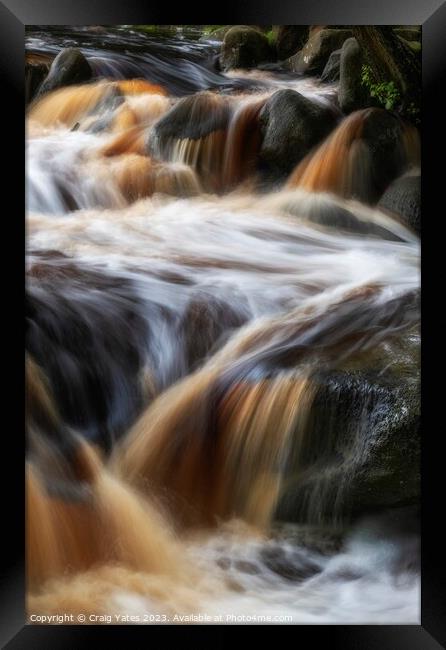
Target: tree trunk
[(390, 59)]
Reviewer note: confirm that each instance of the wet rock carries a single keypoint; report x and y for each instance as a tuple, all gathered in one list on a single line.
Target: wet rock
[(369, 412), (351, 93), (315, 53), (206, 321), (246, 567), (317, 539), (291, 125), (403, 198), (244, 47), (192, 117), (383, 133), (91, 351), (294, 567), (332, 68), (69, 67)]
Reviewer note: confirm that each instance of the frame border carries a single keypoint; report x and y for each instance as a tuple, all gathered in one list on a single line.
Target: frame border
[(431, 14)]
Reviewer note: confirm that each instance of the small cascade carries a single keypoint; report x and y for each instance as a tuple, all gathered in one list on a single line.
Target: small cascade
[(353, 162)]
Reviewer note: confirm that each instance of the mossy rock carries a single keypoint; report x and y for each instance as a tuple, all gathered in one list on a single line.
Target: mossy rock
[(69, 67), (245, 47)]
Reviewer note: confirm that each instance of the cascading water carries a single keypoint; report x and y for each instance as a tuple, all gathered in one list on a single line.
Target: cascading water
[(212, 366)]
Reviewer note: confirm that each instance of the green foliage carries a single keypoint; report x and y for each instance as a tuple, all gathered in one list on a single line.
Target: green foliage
[(386, 93), (388, 96), (272, 37)]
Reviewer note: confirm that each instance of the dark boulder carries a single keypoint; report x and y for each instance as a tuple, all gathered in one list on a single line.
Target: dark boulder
[(403, 198), (351, 93), (361, 450), (332, 69), (291, 125), (290, 39), (192, 117), (71, 338), (207, 323), (384, 134), (315, 53), (290, 564), (244, 47), (69, 67)]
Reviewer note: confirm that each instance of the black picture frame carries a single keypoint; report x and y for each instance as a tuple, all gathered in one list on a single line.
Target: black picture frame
[(431, 14)]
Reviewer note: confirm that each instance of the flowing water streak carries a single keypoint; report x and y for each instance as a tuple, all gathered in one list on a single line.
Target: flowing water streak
[(224, 158), (178, 252), (67, 106), (94, 171), (242, 144), (258, 416), (107, 523), (78, 174)]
